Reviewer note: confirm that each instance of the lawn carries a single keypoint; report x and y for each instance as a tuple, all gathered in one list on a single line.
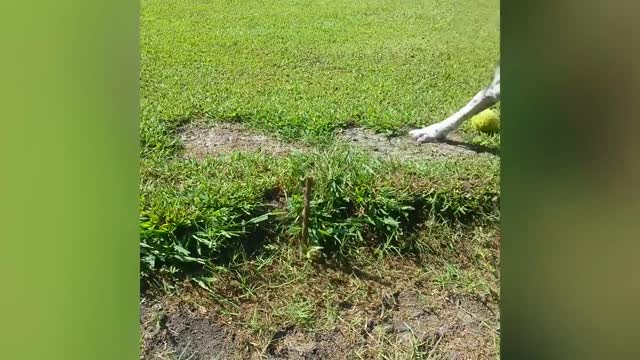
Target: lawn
[(299, 72), (309, 67)]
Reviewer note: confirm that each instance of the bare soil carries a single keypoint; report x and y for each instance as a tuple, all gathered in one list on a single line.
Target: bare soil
[(170, 332), (415, 322), (405, 325), (202, 140), (405, 148)]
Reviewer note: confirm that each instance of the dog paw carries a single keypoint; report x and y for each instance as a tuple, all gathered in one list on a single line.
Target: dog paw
[(429, 133)]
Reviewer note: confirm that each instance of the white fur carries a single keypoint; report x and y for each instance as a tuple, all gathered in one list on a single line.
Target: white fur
[(481, 101)]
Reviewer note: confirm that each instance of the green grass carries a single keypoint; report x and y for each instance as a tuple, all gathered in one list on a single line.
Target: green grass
[(195, 212), (301, 70), (305, 68)]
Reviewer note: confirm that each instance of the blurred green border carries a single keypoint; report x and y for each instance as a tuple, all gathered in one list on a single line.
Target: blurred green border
[(69, 180), (570, 204)]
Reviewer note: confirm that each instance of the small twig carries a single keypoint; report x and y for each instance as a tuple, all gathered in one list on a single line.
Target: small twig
[(306, 211)]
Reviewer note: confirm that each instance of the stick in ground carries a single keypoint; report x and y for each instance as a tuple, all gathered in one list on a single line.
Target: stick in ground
[(306, 211)]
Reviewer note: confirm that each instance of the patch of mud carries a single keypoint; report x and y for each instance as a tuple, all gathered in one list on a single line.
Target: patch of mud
[(405, 148), (202, 140)]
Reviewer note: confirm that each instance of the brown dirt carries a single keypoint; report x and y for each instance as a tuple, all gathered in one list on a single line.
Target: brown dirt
[(400, 313), (405, 148), (397, 307), (201, 140), (460, 326), (297, 344), (447, 327), (452, 328), (173, 332)]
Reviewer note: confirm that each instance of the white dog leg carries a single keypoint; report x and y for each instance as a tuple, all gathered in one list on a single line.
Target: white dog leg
[(483, 100)]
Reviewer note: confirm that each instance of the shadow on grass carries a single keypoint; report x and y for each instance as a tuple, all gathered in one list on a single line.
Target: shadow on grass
[(474, 147)]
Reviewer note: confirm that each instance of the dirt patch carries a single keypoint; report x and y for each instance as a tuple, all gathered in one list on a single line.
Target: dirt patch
[(170, 332), (293, 344), (405, 148), (405, 325), (453, 327), (397, 307), (202, 140), (402, 325)]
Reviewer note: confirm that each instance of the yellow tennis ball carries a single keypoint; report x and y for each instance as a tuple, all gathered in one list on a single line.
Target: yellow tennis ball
[(486, 121)]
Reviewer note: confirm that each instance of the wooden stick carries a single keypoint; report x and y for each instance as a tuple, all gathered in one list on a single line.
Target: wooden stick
[(306, 211)]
